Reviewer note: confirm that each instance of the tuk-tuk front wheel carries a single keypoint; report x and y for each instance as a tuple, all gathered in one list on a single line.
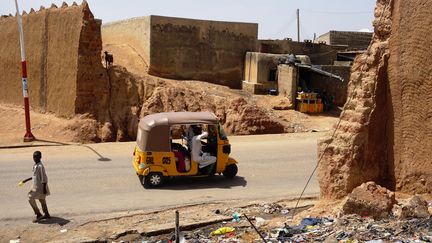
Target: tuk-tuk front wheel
[(153, 180), (230, 171)]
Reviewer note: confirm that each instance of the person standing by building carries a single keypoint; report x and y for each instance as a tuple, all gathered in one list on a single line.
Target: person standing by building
[(39, 188)]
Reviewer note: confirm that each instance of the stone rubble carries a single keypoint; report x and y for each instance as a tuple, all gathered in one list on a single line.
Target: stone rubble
[(369, 199)]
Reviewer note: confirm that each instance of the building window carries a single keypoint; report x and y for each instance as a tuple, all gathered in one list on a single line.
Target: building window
[(272, 75)]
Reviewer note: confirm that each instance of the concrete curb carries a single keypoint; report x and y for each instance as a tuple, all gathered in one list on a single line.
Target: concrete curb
[(167, 230)]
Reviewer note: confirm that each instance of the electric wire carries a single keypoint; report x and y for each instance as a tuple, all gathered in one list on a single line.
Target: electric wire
[(286, 24), (337, 12)]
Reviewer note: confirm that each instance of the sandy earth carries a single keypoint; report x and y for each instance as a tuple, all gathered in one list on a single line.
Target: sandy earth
[(51, 129), (44, 126)]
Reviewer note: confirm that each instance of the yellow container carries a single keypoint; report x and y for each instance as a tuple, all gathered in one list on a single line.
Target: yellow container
[(312, 96), (302, 107), (312, 108), (320, 107), (302, 95)]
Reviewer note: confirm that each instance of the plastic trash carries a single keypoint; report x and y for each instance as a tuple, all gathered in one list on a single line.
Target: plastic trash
[(63, 230), (222, 231), (375, 241), (284, 211), (15, 241), (236, 217), (259, 221), (309, 222)]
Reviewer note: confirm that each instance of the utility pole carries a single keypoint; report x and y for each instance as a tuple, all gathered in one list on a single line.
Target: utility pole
[(28, 137), (298, 25)]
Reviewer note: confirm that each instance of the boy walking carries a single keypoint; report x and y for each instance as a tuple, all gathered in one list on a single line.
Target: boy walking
[(39, 188)]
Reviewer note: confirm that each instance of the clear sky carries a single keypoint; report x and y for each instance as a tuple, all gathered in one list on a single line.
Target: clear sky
[(276, 18)]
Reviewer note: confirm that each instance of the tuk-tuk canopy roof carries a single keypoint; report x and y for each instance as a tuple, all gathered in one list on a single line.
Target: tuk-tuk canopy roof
[(154, 130), (177, 118)]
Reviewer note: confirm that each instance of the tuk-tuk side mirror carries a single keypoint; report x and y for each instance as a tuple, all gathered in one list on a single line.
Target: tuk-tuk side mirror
[(226, 149), (222, 134)]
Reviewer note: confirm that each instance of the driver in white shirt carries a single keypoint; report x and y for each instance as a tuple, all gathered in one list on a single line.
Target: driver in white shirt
[(203, 159)]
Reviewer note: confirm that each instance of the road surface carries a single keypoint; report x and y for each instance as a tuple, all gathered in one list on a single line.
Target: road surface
[(99, 178)]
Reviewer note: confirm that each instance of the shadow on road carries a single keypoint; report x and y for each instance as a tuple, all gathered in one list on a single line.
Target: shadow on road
[(194, 183), (53, 142), (55, 220), (101, 157)]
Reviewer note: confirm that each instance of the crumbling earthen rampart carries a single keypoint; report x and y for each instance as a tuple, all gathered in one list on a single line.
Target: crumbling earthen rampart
[(385, 130), (138, 96), (63, 48), (66, 77)]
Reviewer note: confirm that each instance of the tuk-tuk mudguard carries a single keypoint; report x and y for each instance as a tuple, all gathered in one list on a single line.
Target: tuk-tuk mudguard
[(146, 171), (155, 168), (231, 161)]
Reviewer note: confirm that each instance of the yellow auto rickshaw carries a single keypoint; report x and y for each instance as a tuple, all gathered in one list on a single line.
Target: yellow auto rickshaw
[(158, 156)]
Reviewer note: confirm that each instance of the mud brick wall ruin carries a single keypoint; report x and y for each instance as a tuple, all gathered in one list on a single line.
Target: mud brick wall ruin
[(130, 35), (385, 133), (63, 46), (188, 49)]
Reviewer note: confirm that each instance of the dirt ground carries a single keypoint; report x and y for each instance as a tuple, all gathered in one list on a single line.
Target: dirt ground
[(44, 126), (48, 128), (274, 220), (152, 225)]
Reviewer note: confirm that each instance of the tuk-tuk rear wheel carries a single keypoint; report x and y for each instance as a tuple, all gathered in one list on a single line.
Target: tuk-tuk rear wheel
[(230, 171), (153, 180)]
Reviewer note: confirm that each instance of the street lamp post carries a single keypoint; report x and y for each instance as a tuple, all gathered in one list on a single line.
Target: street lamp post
[(28, 137)]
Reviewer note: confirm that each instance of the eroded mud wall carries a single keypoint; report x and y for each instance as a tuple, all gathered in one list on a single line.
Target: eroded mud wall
[(385, 131), (211, 51), (56, 47), (179, 48), (410, 81), (129, 40), (94, 87)]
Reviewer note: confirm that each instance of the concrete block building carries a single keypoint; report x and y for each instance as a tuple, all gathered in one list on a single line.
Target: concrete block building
[(267, 73), (352, 40)]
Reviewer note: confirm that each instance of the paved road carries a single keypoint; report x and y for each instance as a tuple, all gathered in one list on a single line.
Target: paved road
[(99, 178)]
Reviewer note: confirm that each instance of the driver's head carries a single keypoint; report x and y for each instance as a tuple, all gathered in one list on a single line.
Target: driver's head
[(197, 130), (37, 156)]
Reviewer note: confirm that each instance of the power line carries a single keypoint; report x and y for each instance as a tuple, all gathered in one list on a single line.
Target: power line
[(286, 24), (338, 12)]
